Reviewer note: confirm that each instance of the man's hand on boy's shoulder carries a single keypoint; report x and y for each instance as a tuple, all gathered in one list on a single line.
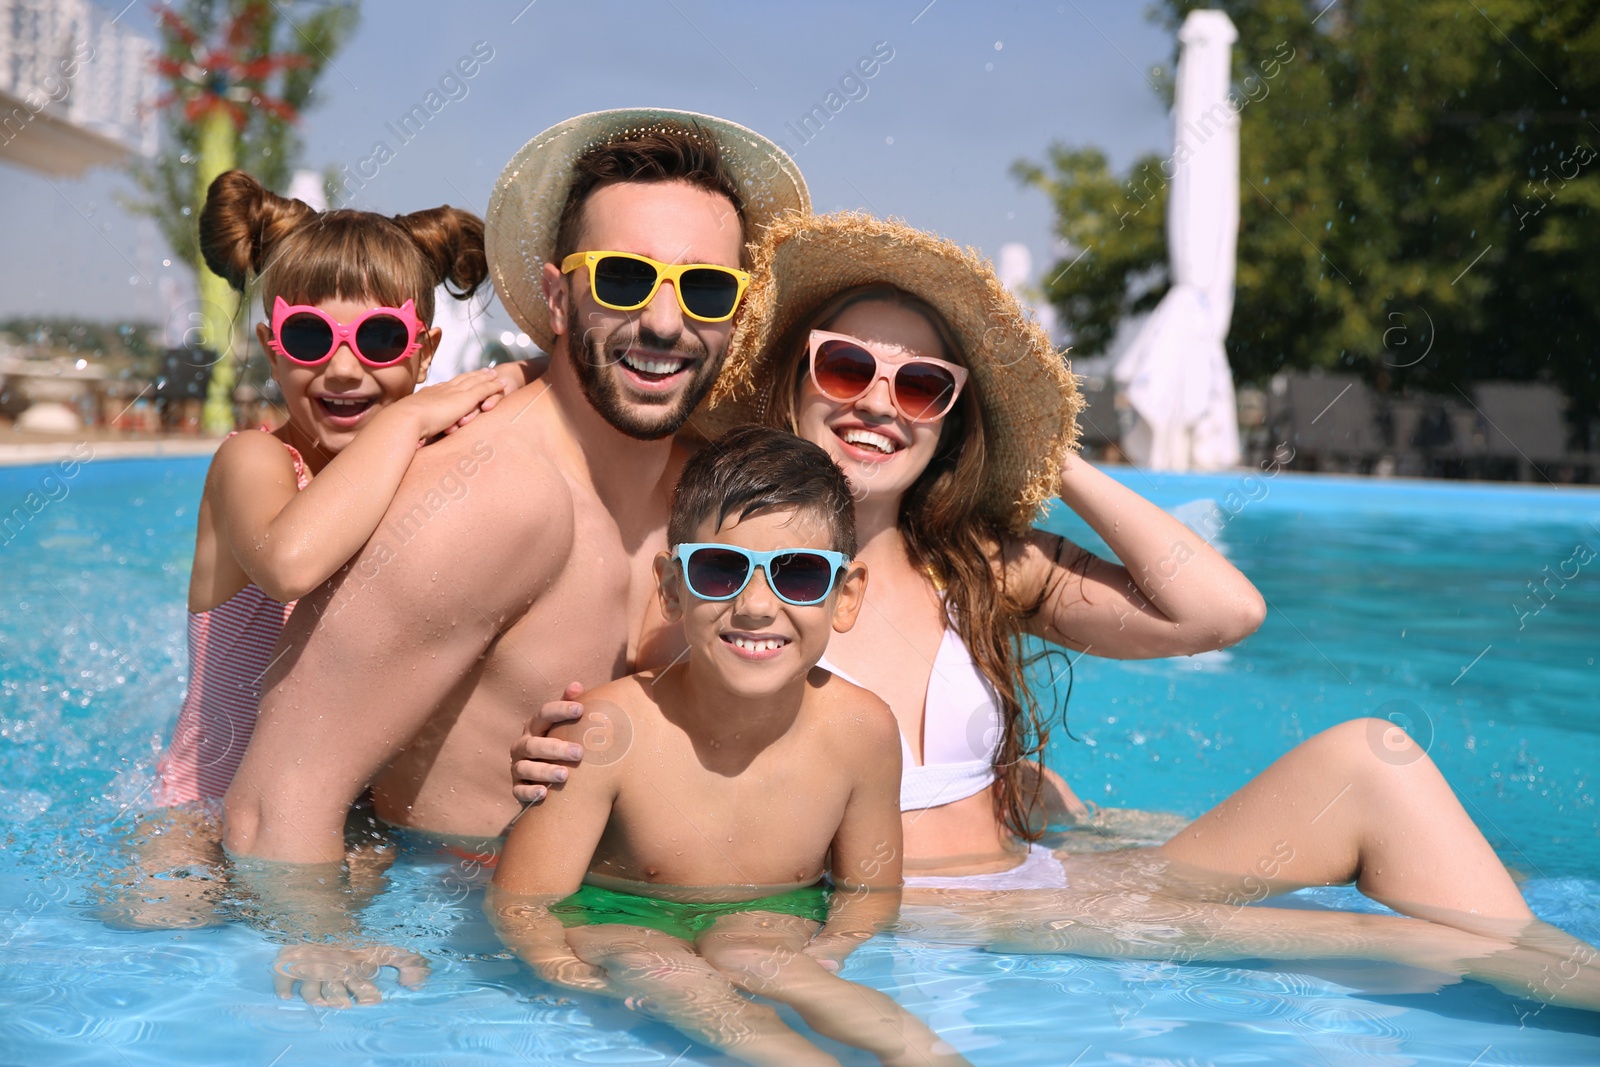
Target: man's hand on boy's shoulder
[(596, 730), (603, 729), (538, 760)]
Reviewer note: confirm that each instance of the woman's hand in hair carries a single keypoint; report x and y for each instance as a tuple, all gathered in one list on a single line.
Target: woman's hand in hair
[(1172, 594)]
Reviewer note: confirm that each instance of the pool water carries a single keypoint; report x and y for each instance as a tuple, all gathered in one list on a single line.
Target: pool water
[(1386, 598)]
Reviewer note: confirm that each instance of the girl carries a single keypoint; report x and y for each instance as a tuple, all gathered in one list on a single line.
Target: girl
[(348, 298)]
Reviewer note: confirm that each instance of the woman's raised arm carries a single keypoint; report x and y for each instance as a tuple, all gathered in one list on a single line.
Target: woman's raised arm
[(1173, 595)]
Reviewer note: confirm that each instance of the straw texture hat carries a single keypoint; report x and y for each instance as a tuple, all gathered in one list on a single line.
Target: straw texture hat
[(525, 207), (1029, 398)]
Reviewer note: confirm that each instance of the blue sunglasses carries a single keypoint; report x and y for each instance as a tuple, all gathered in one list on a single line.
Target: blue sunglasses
[(798, 576)]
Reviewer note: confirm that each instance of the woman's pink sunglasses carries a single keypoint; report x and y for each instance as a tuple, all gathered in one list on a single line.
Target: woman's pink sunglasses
[(845, 369), (309, 336)]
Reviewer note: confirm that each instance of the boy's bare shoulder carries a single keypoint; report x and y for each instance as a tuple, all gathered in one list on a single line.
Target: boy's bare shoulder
[(613, 715), (857, 717)]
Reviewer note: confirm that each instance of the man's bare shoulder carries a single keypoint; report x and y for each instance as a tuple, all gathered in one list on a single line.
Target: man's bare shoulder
[(482, 514), (494, 481), (498, 459)]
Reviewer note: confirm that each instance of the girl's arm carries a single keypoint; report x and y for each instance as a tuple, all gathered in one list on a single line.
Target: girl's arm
[(515, 375), (1062, 807), (289, 543), (1174, 595)]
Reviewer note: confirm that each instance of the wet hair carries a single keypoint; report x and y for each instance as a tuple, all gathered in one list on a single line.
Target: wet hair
[(753, 469), (249, 234), (951, 540), (669, 153)]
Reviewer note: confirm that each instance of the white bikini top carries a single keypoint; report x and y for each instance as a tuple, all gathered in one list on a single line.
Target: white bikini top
[(961, 730)]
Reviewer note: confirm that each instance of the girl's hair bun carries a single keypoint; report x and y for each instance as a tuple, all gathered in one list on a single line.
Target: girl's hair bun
[(451, 242), (250, 234), (240, 224)]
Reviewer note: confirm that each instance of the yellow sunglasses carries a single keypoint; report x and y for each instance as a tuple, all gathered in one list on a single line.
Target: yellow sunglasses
[(623, 281)]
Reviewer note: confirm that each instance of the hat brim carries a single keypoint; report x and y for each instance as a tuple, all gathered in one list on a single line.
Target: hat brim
[(1029, 397), (531, 193)]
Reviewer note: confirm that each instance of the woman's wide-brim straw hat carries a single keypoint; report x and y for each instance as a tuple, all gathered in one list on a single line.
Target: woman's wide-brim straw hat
[(525, 207), (1029, 398)]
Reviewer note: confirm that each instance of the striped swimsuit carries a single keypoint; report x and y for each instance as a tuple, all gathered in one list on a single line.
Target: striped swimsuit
[(230, 648)]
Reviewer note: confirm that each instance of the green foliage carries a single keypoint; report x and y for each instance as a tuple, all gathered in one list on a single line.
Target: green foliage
[(1416, 174), (1116, 227), (269, 145)]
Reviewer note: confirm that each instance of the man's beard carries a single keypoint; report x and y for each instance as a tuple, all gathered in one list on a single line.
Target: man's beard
[(656, 415)]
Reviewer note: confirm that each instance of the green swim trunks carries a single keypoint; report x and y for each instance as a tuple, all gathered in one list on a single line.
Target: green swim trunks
[(592, 905)]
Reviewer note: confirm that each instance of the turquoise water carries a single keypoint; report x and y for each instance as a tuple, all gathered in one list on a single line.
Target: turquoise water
[(1386, 597)]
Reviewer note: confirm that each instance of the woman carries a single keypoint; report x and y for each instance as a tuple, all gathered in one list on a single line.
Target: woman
[(904, 357)]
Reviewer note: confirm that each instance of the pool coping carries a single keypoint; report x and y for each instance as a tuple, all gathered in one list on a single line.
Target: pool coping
[(22, 454), (29, 453)]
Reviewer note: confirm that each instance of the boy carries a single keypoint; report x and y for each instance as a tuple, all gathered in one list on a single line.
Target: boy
[(702, 819)]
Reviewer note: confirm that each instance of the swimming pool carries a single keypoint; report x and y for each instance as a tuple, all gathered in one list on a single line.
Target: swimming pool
[(1387, 597)]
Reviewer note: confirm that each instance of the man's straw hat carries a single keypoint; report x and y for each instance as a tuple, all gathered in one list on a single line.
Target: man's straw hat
[(525, 207), (1028, 396)]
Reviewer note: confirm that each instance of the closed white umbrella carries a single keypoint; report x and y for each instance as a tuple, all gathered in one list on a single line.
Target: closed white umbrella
[(1175, 375), (461, 343)]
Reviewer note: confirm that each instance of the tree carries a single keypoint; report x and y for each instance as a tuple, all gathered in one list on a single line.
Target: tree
[(238, 73), (1414, 177)]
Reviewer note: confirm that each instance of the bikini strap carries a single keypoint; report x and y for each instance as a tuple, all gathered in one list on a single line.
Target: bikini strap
[(302, 476)]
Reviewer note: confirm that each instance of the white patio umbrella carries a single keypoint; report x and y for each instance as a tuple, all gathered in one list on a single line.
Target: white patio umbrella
[(461, 344), (1175, 375)]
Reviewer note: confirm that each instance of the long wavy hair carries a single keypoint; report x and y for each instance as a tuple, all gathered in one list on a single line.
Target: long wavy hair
[(953, 542)]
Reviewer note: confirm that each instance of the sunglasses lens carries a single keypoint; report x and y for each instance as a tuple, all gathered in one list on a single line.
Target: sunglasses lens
[(707, 293), (844, 371), (716, 573), (803, 577), (925, 391), (383, 339), (305, 337), (623, 283)]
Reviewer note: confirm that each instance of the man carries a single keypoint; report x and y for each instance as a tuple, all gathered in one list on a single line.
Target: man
[(517, 554)]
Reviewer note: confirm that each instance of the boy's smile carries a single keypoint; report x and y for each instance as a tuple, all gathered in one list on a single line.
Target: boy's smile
[(756, 643), (755, 646)]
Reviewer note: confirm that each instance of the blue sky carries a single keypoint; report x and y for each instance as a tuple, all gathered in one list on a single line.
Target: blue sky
[(970, 87)]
